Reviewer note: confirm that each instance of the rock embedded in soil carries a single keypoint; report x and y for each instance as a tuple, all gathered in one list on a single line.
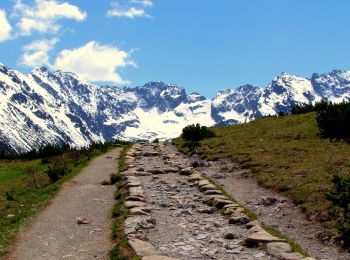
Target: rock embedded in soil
[(142, 248), (158, 257), (134, 204), (239, 219), (291, 256), (278, 248), (262, 237)]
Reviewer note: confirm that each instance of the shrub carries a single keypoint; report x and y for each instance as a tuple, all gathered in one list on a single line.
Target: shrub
[(196, 133), (334, 120), (341, 198), (57, 170)]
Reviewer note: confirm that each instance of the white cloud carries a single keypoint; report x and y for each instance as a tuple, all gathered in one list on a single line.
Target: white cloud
[(37, 53), (43, 15), (129, 13), (5, 27), (95, 62), (130, 9), (146, 3)]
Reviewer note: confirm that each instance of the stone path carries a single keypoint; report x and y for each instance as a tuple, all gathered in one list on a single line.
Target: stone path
[(56, 234), (178, 214)]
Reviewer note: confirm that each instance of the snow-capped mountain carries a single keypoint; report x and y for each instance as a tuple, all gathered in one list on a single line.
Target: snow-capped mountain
[(51, 107)]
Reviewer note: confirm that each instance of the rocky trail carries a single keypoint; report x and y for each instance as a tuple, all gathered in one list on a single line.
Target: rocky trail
[(177, 213), (76, 224)]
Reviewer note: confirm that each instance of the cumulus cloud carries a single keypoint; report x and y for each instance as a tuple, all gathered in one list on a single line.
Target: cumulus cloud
[(37, 52), (43, 15), (5, 27), (128, 10), (95, 62)]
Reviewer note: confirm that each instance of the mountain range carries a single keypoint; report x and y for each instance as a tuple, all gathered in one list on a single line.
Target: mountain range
[(53, 107)]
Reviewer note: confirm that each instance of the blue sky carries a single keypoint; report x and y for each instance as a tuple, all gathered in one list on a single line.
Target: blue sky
[(203, 45)]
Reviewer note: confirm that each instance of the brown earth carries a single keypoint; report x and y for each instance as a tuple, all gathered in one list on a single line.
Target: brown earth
[(56, 234)]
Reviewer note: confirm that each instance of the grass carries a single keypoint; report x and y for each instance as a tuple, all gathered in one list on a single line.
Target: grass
[(20, 200), (121, 249), (285, 154)]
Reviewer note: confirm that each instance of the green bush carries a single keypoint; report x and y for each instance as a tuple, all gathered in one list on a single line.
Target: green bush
[(196, 133), (334, 120), (57, 170), (340, 197)]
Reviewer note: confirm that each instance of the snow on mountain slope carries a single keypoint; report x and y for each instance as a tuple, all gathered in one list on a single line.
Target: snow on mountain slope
[(54, 107), (334, 86), (284, 92)]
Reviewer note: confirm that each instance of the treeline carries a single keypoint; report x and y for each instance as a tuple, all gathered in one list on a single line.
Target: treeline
[(61, 159), (333, 119), (50, 150)]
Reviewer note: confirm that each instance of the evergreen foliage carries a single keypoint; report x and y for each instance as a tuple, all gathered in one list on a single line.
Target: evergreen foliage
[(341, 198), (196, 133), (334, 120)]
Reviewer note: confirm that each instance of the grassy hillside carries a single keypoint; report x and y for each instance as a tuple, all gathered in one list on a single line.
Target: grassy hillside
[(286, 154)]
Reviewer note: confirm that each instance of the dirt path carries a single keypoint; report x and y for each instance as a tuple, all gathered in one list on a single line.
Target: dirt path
[(55, 234), (276, 211)]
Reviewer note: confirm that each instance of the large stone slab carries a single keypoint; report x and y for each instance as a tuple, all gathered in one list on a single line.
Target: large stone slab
[(239, 219), (142, 248), (212, 192), (262, 237), (158, 257), (171, 169), (156, 171), (291, 256), (220, 203), (195, 178), (207, 187), (133, 204), (278, 248), (203, 183)]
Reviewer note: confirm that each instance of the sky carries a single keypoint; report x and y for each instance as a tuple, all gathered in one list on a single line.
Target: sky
[(203, 45)]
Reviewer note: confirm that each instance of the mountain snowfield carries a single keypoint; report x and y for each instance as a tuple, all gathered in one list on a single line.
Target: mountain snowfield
[(52, 107)]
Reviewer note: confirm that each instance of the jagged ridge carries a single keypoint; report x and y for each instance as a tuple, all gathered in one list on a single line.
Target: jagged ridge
[(43, 107)]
